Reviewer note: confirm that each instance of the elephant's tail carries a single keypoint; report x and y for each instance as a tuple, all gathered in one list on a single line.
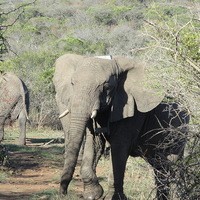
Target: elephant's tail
[(18, 107), (26, 106), (27, 118), (26, 102)]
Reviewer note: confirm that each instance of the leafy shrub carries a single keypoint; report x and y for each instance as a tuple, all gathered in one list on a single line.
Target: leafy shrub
[(6, 66), (173, 48), (109, 14), (190, 44), (30, 12), (75, 45), (167, 13)]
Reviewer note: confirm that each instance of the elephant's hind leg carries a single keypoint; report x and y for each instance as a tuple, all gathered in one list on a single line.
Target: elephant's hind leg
[(22, 124), (92, 152)]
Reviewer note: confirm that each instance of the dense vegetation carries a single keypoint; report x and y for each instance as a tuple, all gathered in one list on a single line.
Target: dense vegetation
[(163, 33)]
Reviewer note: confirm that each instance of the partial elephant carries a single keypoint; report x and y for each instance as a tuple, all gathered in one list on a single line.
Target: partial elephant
[(14, 104), (156, 136), (91, 93)]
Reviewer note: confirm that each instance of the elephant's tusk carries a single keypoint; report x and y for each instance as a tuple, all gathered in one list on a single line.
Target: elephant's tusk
[(64, 114), (94, 114)]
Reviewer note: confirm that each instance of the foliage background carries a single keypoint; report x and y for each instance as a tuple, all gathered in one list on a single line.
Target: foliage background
[(164, 34)]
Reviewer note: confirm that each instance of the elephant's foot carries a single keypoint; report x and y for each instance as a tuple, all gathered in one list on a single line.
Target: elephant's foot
[(115, 196), (62, 191), (63, 188), (93, 191)]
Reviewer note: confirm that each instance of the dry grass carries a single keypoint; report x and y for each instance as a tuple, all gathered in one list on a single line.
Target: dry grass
[(138, 183)]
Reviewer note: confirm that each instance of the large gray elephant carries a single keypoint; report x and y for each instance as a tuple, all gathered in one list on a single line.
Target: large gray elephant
[(93, 96), (14, 104)]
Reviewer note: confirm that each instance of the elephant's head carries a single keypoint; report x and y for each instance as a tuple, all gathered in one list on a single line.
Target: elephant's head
[(88, 85)]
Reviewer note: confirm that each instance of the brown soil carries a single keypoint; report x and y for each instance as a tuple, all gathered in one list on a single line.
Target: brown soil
[(31, 174)]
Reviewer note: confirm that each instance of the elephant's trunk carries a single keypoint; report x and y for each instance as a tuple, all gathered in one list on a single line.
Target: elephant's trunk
[(72, 147)]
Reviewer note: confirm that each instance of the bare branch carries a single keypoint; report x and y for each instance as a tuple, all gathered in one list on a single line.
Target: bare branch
[(3, 28)]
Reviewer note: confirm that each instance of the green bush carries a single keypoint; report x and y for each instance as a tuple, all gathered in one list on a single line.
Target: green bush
[(166, 13), (174, 48), (81, 47), (45, 78), (109, 14), (6, 66), (190, 44), (30, 12)]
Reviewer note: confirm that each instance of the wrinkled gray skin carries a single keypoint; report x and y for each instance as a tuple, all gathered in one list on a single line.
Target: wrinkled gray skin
[(14, 104), (85, 85)]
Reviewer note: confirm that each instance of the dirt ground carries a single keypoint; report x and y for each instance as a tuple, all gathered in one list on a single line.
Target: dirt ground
[(31, 174), (34, 173)]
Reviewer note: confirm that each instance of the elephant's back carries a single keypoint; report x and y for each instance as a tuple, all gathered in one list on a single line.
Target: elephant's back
[(10, 83)]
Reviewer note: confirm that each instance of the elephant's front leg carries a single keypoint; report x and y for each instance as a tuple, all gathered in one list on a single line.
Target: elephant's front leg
[(111, 189), (121, 141), (92, 151), (119, 156)]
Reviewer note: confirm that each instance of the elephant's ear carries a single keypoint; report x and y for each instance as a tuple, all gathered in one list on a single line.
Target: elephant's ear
[(134, 89), (65, 67)]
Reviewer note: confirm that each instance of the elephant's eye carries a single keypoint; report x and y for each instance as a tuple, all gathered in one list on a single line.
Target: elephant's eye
[(106, 95), (72, 81), (106, 87), (108, 91)]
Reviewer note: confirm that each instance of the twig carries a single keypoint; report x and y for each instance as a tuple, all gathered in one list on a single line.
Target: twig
[(53, 140)]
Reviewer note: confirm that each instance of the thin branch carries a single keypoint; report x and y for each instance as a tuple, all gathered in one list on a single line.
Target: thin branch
[(54, 140), (189, 22), (152, 24), (18, 8), (197, 68), (3, 28), (192, 64)]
